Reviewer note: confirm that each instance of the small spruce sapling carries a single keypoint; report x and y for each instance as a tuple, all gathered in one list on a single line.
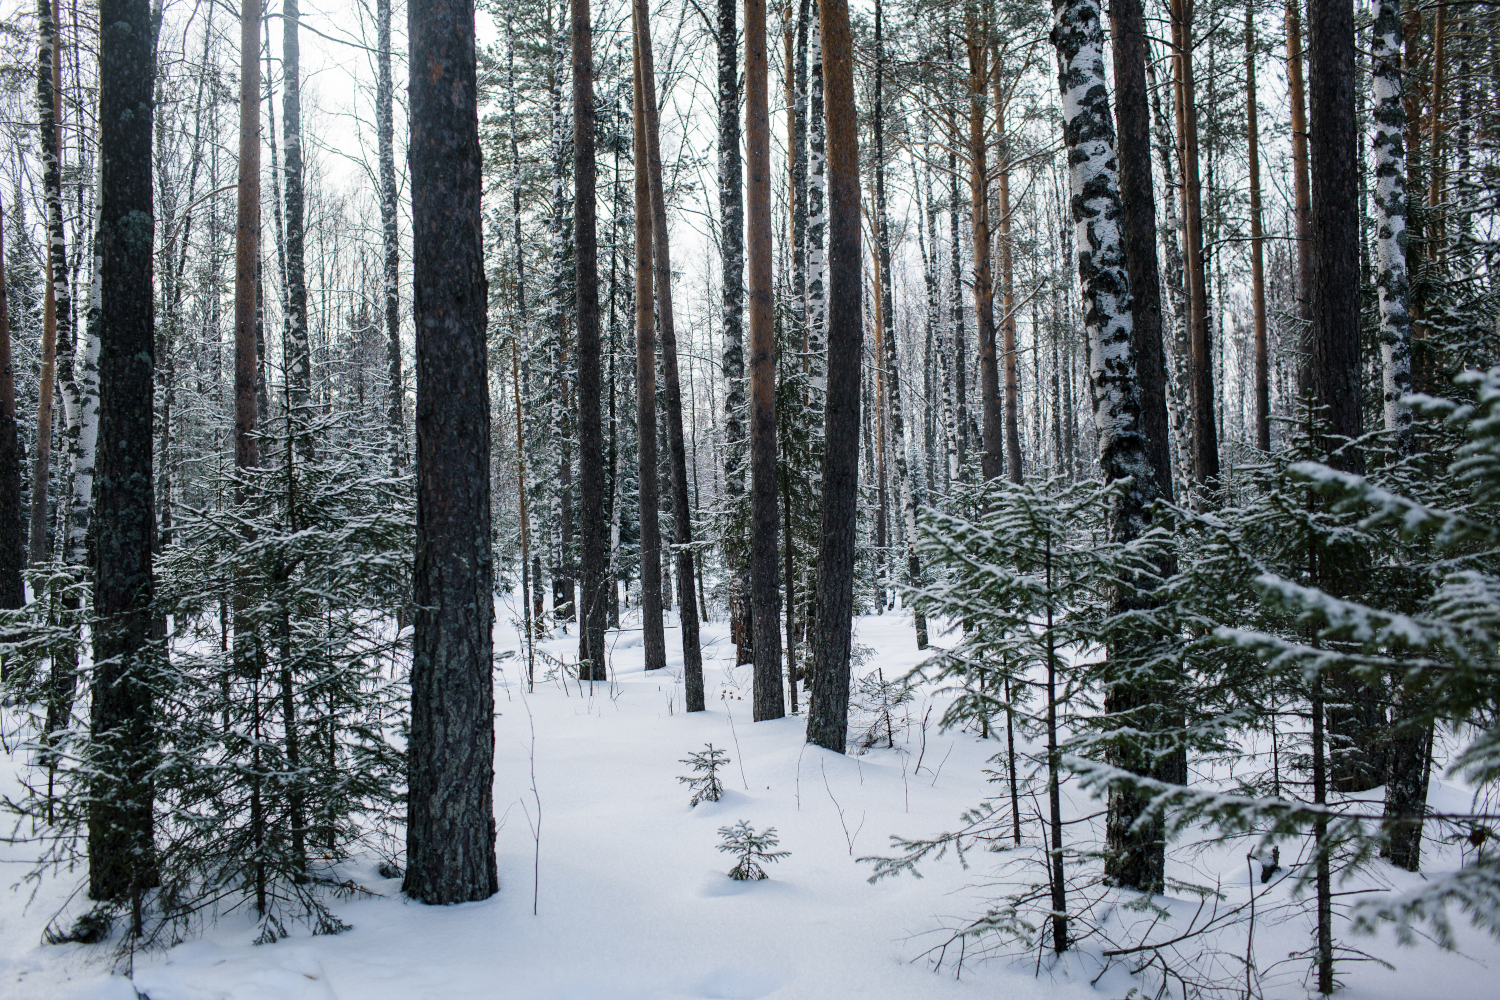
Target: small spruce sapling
[(752, 848), (704, 782)]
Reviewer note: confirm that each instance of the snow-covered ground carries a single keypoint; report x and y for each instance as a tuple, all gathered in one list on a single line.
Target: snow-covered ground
[(632, 899)]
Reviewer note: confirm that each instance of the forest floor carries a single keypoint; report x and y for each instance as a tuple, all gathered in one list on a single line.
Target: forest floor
[(632, 901)]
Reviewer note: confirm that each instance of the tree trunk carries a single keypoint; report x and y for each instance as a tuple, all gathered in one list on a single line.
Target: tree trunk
[(1136, 850), (298, 357), (450, 841), (977, 39), (1205, 437), (1013, 469), (1257, 250), (593, 515), (1335, 203), (1133, 113), (12, 549), (647, 503), (247, 244), (122, 861), (956, 317), (1301, 194), (682, 511), (57, 321), (1387, 128), (828, 701), (764, 591), (395, 421), (732, 256)]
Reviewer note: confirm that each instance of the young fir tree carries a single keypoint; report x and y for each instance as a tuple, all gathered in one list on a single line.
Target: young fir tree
[(751, 849)]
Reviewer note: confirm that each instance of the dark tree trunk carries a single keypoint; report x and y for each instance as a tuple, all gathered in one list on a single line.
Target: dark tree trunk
[(247, 246), (450, 841), (732, 254), (1011, 363), (765, 594), (1133, 113), (593, 514), (122, 861), (647, 501), (828, 701), (12, 547), (956, 310), (385, 127), (298, 357), (1301, 194), (57, 319), (1332, 133), (992, 461), (1257, 249), (682, 511)]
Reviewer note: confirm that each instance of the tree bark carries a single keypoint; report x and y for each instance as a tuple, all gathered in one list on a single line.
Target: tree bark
[(247, 243), (1136, 850), (732, 257), (122, 861), (1257, 249), (1387, 138), (1133, 115), (828, 701), (12, 549), (765, 604), (1205, 428), (1301, 194), (1335, 224), (976, 36), (1012, 401), (57, 321), (682, 511), (645, 394), (298, 357), (395, 421), (593, 513), (450, 840)]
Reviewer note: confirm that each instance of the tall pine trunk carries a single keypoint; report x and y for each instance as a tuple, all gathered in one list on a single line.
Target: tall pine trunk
[(682, 512), (764, 592), (395, 419), (57, 320), (1012, 401), (593, 514), (122, 861), (1301, 194), (828, 700), (645, 396), (977, 31), (450, 840), (12, 549), (1261, 361), (732, 256), (298, 356), (1138, 201)]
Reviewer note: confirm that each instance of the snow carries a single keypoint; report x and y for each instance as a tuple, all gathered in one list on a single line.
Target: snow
[(633, 900)]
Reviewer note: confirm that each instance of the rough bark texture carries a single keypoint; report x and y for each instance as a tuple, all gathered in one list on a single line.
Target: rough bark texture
[(828, 701), (122, 862), (1133, 115), (395, 421), (682, 511), (1387, 140), (732, 257), (1335, 224), (1257, 249), (56, 307), (247, 243), (765, 594), (1013, 466), (654, 637), (1301, 192), (450, 841), (1135, 853), (298, 357), (593, 512), (12, 549), (1205, 428), (991, 419)]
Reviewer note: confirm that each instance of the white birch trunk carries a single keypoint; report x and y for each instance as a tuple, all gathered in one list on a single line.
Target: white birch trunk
[(1387, 131)]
